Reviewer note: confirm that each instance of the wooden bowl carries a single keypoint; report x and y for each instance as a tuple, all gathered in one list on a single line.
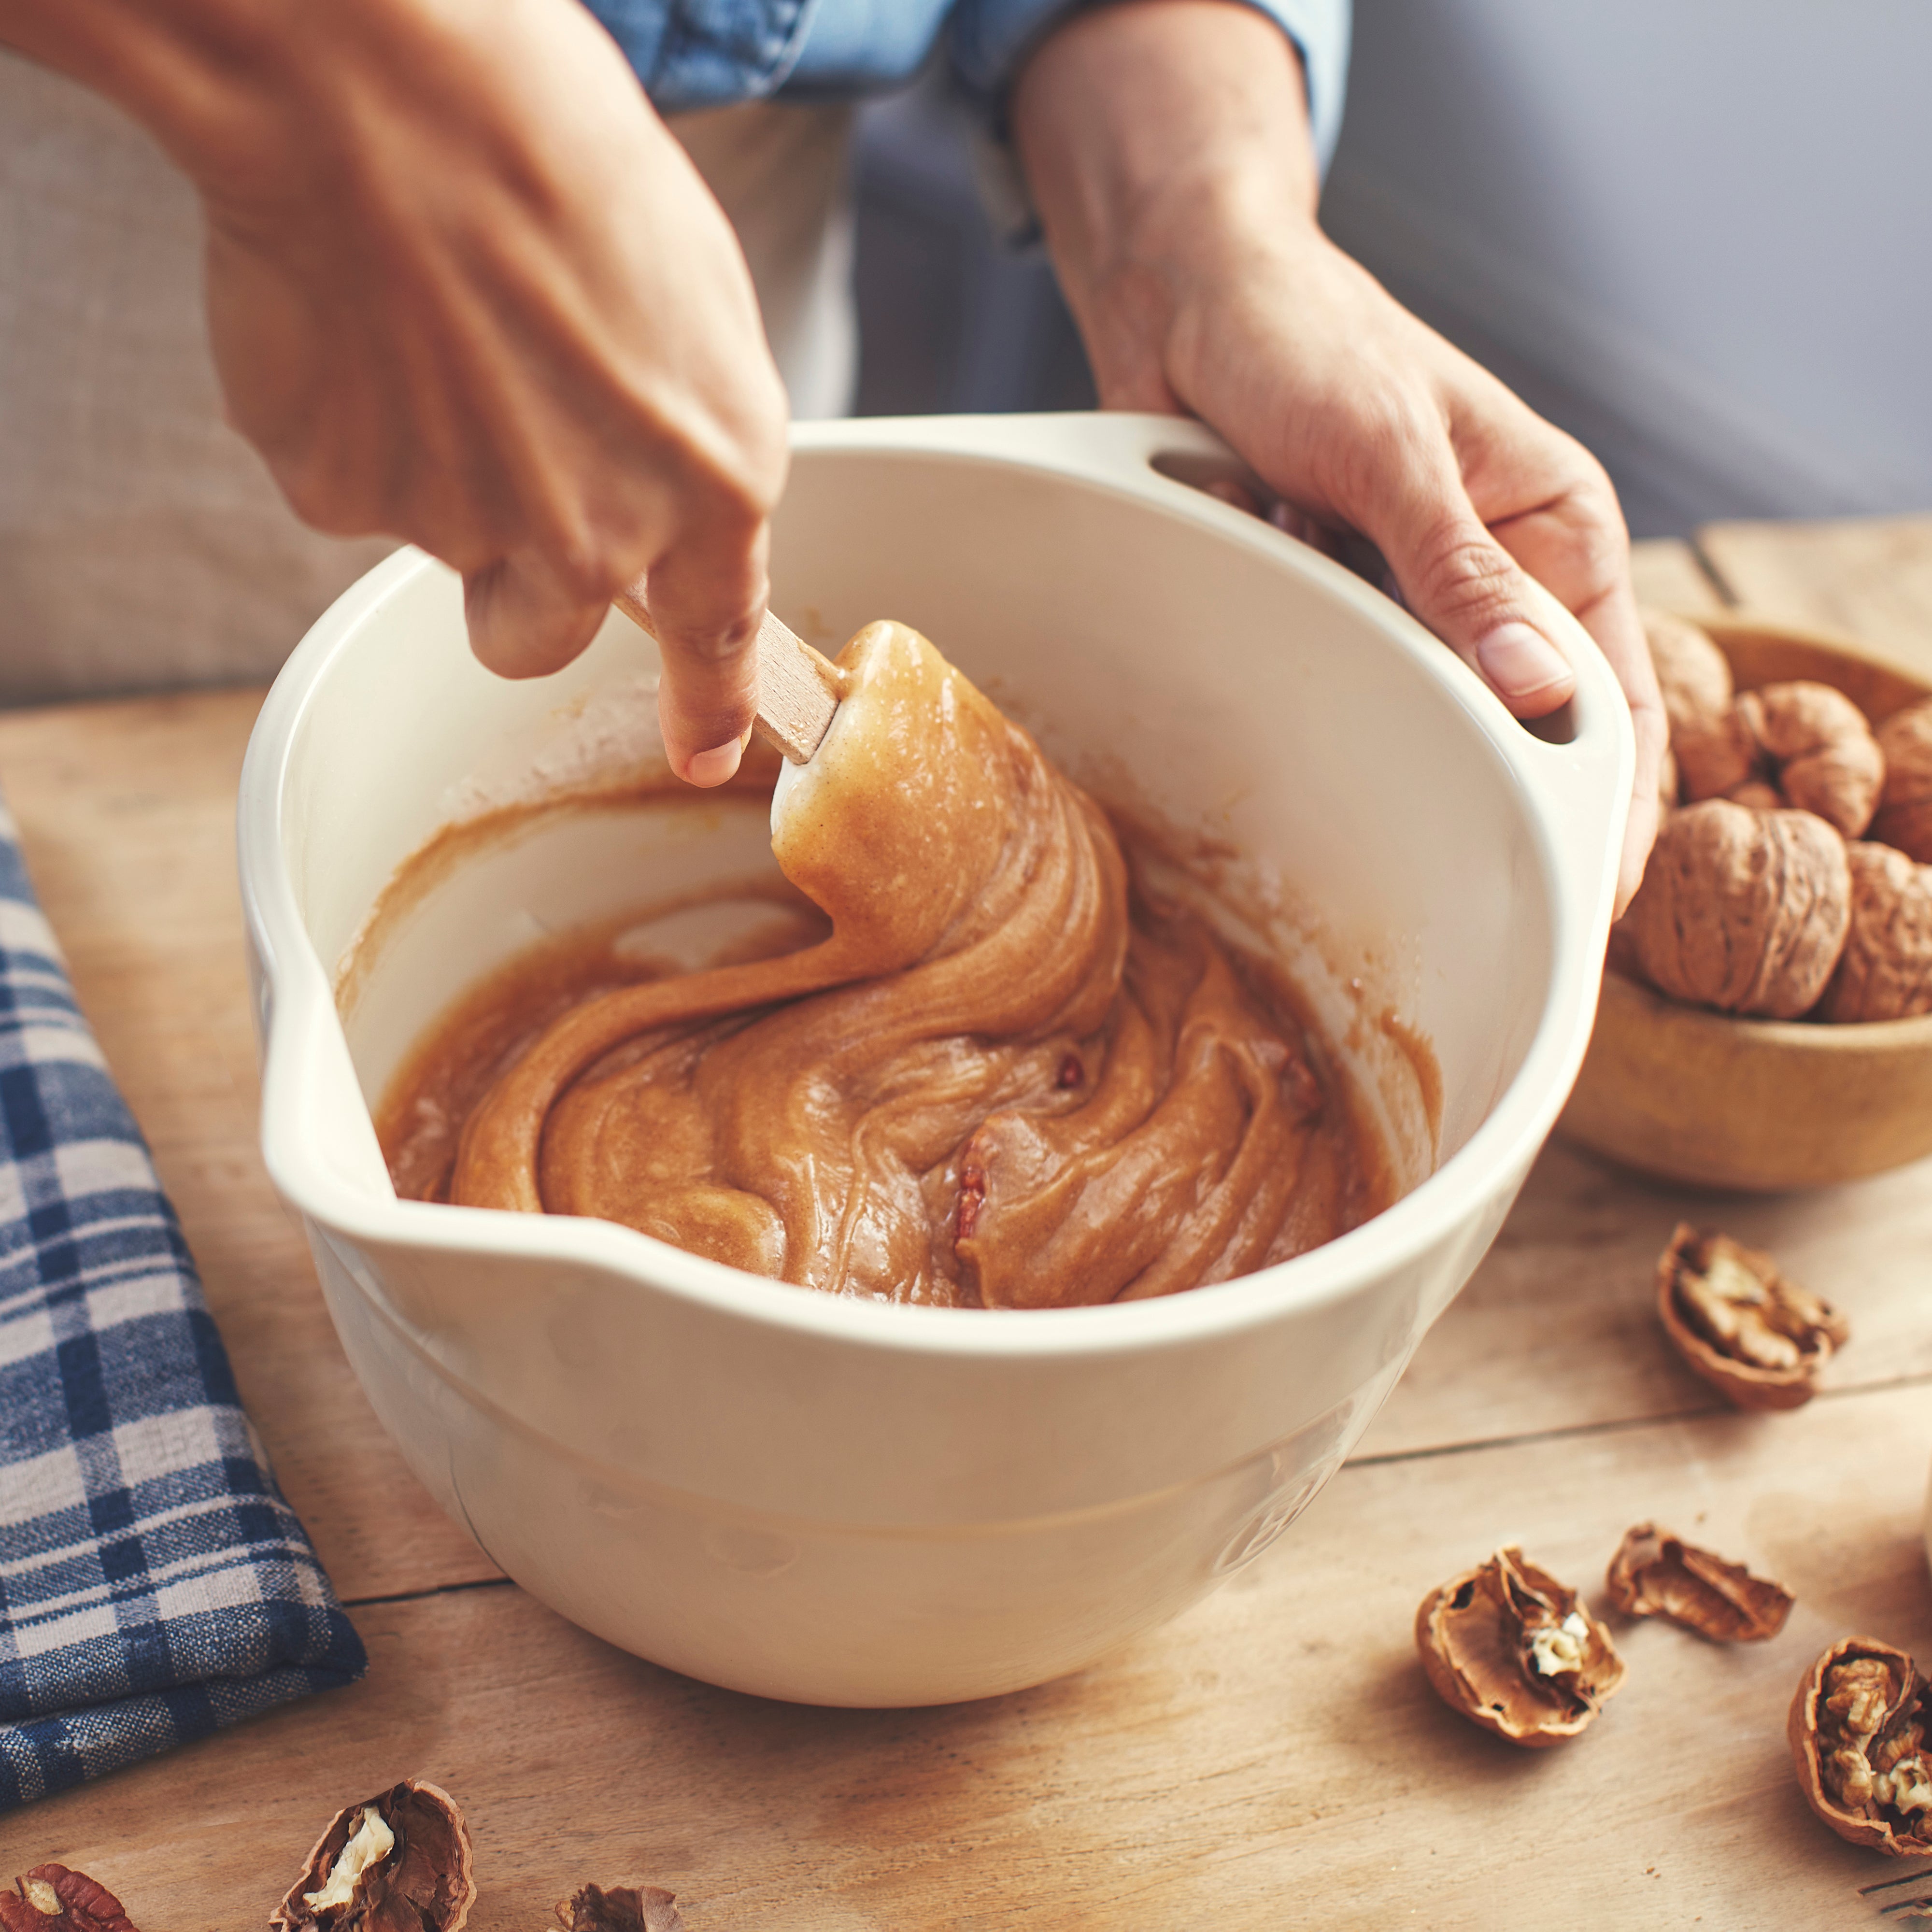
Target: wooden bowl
[(1703, 1097)]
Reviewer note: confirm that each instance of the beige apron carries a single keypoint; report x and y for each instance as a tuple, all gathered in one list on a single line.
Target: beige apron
[(142, 544)]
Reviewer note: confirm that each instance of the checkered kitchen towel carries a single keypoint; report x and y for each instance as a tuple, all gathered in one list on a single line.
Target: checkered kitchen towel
[(154, 1585)]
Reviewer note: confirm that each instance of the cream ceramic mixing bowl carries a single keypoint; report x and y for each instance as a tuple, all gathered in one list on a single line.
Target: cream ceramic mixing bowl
[(814, 1498)]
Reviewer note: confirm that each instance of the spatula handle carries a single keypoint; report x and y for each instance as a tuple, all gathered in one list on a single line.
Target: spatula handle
[(798, 687)]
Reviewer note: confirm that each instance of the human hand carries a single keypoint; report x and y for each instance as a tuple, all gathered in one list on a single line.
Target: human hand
[(1165, 142), (465, 288)]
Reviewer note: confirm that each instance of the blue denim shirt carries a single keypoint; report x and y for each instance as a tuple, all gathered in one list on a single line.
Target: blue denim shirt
[(711, 53)]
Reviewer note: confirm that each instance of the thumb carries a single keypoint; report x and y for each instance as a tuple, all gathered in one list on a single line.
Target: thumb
[(1460, 582)]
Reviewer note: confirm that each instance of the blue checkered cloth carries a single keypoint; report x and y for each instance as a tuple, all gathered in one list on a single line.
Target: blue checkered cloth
[(154, 1585)]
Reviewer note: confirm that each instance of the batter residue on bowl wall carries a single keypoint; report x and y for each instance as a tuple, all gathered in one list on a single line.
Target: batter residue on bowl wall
[(1005, 1077)]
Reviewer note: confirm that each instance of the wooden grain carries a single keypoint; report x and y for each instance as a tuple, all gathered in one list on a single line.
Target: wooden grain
[(1869, 578), (798, 687), (1669, 575), (127, 817), (1274, 1758)]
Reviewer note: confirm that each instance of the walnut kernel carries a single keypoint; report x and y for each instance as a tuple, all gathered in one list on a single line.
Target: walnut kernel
[(1905, 809), (1745, 911), (1656, 1574), (1857, 1731), (52, 1898), (1514, 1651), (1743, 1327), (397, 1862), (1885, 972)]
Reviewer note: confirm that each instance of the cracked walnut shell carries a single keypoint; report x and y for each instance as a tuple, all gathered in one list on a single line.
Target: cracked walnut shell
[(1656, 1574), (1513, 1650), (623, 1908), (1745, 911), (1885, 972), (51, 1898), (1800, 744), (1743, 1327), (1905, 807), (1858, 1728), (397, 1862)]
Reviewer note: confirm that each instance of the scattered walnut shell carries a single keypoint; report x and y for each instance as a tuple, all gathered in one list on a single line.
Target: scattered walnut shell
[(1656, 1574), (1740, 1324), (1800, 744), (1885, 972), (1746, 911), (1515, 1651), (51, 1898), (1694, 675), (624, 1908), (1858, 1729), (1905, 807), (397, 1862)]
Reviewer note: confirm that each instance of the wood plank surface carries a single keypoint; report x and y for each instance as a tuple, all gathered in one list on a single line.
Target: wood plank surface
[(1869, 578), (1272, 1759), (1670, 575)]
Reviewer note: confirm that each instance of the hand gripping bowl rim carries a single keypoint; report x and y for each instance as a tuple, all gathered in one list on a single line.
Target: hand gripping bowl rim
[(1578, 793)]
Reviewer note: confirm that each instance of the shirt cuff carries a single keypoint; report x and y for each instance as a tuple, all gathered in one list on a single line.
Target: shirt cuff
[(990, 39)]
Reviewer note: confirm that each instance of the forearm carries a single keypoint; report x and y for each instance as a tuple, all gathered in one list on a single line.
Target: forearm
[(1151, 133)]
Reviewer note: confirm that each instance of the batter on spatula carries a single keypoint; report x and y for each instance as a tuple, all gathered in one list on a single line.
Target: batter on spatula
[(1004, 1079)]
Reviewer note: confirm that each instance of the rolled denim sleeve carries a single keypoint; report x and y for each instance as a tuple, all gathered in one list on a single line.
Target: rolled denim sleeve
[(990, 38)]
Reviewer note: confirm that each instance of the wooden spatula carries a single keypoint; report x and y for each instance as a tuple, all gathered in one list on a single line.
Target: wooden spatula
[(798, 687)]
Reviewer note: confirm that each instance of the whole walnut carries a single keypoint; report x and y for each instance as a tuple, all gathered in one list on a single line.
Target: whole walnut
[(1743, 911), (1694, 675), (1905, 810), (1885, 972), (1800, 744)]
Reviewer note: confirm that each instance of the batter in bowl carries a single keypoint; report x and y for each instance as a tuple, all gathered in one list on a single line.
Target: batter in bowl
[(1006, 1079)]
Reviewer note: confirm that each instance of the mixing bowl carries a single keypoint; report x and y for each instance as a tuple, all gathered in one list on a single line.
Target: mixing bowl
[(815, 1498)]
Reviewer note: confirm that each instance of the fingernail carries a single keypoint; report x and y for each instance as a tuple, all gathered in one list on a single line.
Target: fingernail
[(714, 767), (1520, 661)]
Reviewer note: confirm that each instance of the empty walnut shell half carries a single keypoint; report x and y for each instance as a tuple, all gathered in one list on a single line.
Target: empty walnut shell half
[(624, 1908), (1905, 807), (1858, 1729), (1656, 1574), (1745, 911), (51, 1898), (1515, 1651), (1800, 744), (1737, 1320), (1885, 972), (397, 1862)]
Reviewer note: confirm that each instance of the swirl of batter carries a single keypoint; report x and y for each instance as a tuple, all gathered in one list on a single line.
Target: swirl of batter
[(996, 1083)]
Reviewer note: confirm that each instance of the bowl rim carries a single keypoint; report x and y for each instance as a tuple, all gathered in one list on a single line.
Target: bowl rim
[(1575, 797)]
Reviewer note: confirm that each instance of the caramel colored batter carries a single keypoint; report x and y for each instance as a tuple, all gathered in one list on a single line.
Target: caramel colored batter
[(1004, 1078)]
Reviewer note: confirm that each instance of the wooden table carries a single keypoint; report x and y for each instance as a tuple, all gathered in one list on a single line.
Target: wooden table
[(1273, 1759)]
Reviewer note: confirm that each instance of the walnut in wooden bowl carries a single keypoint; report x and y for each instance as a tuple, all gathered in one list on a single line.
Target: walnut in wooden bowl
[(1752, 1095)]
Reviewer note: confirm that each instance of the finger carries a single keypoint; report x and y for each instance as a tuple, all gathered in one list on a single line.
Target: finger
[(1468, 589), (525, 621), (1612, 619), (707, 599)]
